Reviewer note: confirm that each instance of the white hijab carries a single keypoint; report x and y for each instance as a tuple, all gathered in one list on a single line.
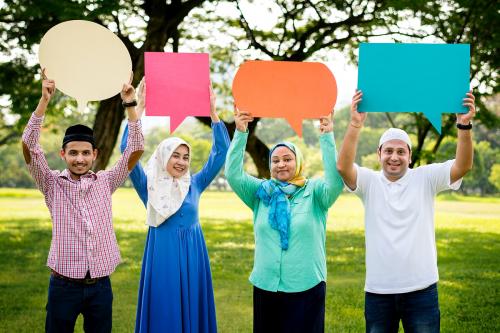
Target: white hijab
[(165, 193)]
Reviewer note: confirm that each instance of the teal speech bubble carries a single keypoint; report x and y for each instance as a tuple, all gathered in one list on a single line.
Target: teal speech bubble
[(428, 78)]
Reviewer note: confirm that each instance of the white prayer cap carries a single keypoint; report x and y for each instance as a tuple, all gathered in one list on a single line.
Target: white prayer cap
[(394, 134)]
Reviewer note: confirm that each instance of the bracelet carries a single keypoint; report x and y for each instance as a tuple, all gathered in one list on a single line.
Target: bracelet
[(355, 126), (464, 127), (129, 104)]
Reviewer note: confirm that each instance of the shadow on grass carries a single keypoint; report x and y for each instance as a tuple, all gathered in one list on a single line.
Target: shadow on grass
[(468, 263)]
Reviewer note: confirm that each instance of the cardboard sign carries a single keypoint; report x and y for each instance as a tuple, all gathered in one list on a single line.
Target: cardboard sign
[(86, 60), (284, 89), (428, 78), (178, 85)]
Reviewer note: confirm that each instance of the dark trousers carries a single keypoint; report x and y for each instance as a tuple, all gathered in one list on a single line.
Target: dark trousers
[(68, 299), (418, 310), (277, 312)]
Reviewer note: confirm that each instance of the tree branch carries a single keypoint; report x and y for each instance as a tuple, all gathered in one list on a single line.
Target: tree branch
[(250, 34), (391, 121), (10, 136)]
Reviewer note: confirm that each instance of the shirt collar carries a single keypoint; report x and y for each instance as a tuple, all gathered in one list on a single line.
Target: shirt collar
[(401, 181), (65, 174)]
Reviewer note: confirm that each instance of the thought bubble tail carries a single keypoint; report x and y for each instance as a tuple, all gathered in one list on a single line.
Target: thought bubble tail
[(296, 124), (435, 120), (175, 122), (81, 105)]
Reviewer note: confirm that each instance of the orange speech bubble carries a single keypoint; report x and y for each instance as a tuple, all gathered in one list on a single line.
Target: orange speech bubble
[(285, 89)]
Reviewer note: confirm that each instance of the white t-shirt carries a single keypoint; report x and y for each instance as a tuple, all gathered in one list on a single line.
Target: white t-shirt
[(399, 226)]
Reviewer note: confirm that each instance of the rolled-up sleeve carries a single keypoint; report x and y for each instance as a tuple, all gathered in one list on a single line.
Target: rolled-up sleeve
[(135, 142)]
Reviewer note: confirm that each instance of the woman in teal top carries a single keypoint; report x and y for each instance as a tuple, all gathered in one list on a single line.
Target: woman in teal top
[(290, 213)]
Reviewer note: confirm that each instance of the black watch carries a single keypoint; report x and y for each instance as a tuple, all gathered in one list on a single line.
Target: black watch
[(128, 104), (464, 127)]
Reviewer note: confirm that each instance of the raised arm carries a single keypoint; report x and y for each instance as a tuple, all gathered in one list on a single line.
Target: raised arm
[(137, 175), (220, 145), (135, 141), (32, 151), (141, 98), (30, 135), (244, 185), (328, 190), (347, 155), (465, 151)]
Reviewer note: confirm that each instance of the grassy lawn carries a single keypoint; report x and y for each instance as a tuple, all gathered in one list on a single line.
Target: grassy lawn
[(468, 239)]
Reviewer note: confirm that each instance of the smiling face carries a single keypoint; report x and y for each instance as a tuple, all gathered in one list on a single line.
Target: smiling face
[(395, 158), (283, 164), (178, 163), (79, 156)]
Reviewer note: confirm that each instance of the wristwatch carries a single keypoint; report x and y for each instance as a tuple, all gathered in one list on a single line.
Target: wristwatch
[(464, 127), (128, 104)]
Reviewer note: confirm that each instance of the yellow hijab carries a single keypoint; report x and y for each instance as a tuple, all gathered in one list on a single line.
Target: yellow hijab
[(298, 179)]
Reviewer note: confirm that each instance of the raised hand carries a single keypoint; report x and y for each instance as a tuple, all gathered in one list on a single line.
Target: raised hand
[(48, 87), (241, 119), (357, 118), (141, 97), (213, 98), (213, 101), (141, 92), (468, 101), (128, 92), (326, 124)]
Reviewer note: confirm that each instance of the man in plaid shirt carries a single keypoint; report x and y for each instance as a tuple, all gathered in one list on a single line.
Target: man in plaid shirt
[(83, 251)]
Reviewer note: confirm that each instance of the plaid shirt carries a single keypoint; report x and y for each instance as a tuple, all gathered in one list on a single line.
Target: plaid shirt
[(83, 238)]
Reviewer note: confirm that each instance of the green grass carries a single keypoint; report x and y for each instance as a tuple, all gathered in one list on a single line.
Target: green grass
[(467, 237)]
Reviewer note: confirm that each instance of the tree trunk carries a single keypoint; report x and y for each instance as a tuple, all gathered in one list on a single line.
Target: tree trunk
[(106, 128), (162, 25), (257, 149), (260, 155)]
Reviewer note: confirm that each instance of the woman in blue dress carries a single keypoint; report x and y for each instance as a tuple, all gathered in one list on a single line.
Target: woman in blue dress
[(175, 291)]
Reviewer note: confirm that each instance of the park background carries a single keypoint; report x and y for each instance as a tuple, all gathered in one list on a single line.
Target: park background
[(467, 222)]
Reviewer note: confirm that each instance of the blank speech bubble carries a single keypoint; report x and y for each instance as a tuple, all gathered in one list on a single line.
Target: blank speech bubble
[(285, 89), (428, 78), (86, 60), (177, 85)]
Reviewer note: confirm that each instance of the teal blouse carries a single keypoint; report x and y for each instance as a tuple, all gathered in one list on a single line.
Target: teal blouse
[(303, 265)]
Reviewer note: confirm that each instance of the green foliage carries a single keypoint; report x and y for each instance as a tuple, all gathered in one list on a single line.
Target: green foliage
[(371, 161), (303, 30), (15, 172), (484, 159), (494, 177)]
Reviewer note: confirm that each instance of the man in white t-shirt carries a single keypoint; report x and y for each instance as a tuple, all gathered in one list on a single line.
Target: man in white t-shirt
[(401, 259)]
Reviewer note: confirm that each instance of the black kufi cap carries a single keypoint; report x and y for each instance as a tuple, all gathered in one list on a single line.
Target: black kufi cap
[(79, 133)]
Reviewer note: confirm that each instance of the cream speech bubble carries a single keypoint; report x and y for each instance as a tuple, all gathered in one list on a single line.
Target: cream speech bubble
[(86, 60)]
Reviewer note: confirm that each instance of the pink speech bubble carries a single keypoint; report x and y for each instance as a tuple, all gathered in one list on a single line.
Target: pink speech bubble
[(177, 85)]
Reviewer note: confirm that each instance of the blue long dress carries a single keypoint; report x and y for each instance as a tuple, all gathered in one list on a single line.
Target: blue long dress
[(175, 291)]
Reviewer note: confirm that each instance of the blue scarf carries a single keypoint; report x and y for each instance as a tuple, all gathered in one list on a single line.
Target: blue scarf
[(274, 194)]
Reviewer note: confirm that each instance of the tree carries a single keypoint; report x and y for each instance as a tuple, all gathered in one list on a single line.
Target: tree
[(306, 29), (23, 24), (484, 159), (463, 21), (494, 177)]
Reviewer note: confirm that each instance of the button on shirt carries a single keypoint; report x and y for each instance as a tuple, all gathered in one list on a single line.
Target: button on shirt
[(399, 226), (83, 238), (303, 264)]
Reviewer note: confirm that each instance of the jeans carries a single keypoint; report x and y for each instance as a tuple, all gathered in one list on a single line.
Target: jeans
[(418, 310), (68, 299)]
